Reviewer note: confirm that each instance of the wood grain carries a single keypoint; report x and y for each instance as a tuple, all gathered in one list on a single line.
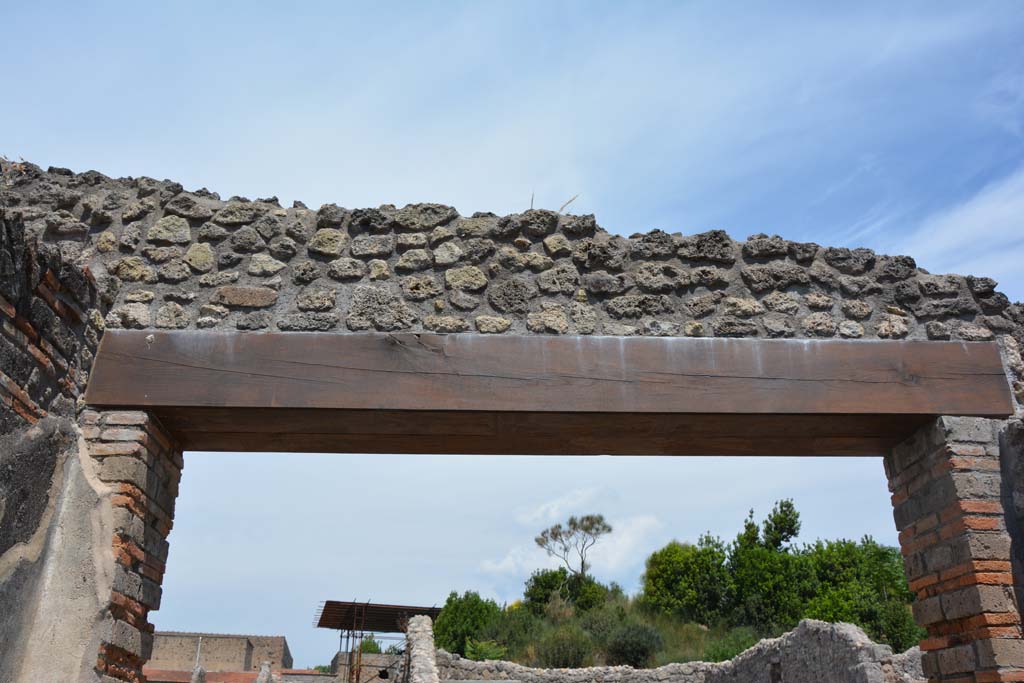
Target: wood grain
[(427, 393)]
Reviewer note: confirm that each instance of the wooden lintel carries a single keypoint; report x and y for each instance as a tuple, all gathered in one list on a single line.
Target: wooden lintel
[(414, 392)]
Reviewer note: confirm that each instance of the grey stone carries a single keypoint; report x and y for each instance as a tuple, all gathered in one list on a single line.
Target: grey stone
[(186, 206), (284, 248), (715, 246), (489, 324), (562, 279), (466, 278), (174, 271), (774, 276), (445, 323), (447, 254), (762, 246), (372, 246), (170, 230), (421, 217), (255, 320), (346, 269), (328, 242), (238, 213), (200, 257), (512, 295), (420, 287), (330, 216), (246, 241), (415, 259), (172, 316), (638, 305), (316, 300), (374, 307), (308, 322), (305, 272), (245, 297), (658, 278), (850, 261), (264, 265)]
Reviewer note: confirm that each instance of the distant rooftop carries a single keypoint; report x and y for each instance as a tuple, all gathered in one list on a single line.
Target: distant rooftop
[(368, 616)]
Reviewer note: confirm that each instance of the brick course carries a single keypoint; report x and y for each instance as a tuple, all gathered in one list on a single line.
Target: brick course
[(947, 494), (143, 464)]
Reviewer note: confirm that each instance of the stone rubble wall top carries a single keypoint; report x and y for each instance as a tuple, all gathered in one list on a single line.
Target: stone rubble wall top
[(170, 259), (813, 652)]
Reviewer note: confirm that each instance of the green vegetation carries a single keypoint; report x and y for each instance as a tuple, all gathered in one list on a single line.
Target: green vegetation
[(370, 646), (706, 601)]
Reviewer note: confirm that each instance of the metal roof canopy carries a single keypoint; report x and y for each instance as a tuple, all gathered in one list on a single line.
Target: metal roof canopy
[(368, 616)]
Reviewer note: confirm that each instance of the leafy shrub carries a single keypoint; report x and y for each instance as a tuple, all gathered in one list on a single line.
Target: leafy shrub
[(601, 622), (689, 581), (370, 646), (898, 628), (633, 644), (559, 610), (566, 647), (585, 593), (729, 644), (543, 584), (463, 618), (515, 629), (481, 650)]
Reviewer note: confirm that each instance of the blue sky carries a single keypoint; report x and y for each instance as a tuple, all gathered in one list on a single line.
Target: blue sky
[(898, 126)]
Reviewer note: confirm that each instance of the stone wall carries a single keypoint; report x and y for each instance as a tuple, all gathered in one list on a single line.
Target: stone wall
[(420, 652), (189, 260), (217, 652), (948, 502), (81, 252), (85, 498), (56, 559), (812, 653)]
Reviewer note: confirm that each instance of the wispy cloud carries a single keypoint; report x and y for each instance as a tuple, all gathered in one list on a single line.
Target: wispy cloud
[(627, 546), (615, 557), (982, 235), (557, 509)]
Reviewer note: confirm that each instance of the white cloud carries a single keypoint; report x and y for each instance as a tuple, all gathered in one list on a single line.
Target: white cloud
[(627, 546), (983, 235), (557, 509), (519, 560), (615, 556)]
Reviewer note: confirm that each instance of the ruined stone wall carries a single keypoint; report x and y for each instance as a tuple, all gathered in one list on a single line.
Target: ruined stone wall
[(81, 252), (177, 652), (55, 522), (81, 494), (812, 653), (189, 260)]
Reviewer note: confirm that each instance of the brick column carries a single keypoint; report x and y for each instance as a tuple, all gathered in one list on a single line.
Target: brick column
[(142, 464), (946, 492)]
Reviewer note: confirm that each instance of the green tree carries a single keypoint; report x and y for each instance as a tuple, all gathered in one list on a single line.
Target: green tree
[(769, 584), (781, 526), (568, 646), (863, 583), (541, 585), (463, 618), (483, 650), (581, 591), (572, 543), (689, 581), (515, 629), (633, 644), (370, 646)]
